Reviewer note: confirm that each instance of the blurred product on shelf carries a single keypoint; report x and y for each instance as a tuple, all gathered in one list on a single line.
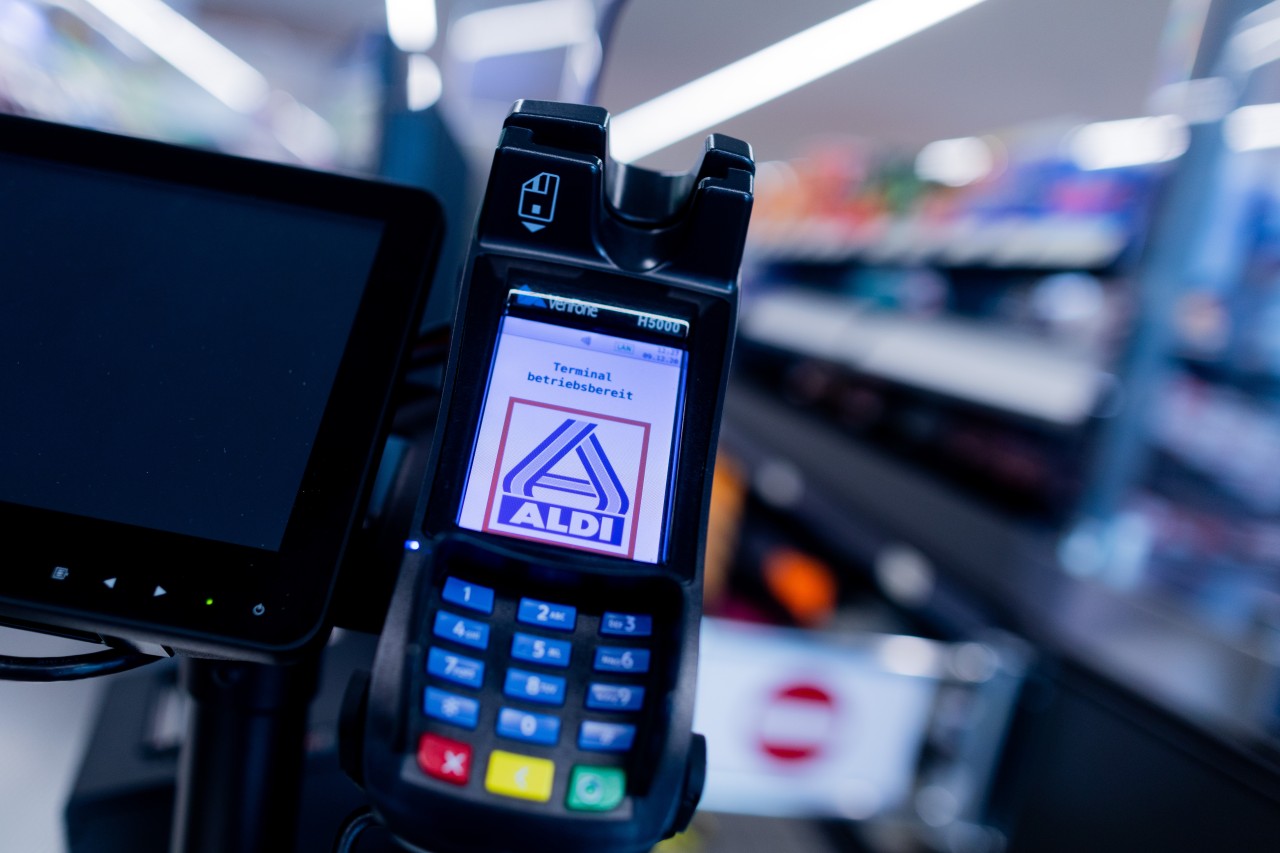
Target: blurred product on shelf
[(1202, 520), (802, 584), (1027, 205), (724, 527), (966, 313)]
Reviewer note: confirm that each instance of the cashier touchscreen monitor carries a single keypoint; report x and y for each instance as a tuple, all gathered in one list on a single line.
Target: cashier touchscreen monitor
[(197, 354)]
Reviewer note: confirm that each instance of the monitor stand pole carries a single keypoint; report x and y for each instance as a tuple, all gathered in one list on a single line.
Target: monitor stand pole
[(240, 773)]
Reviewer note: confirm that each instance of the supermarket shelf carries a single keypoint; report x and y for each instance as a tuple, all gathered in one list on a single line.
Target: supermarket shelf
[(1020, 375), (991, 571), (1044, 242)]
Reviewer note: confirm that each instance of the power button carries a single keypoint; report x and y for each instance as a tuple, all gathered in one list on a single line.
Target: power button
[(259, 609)]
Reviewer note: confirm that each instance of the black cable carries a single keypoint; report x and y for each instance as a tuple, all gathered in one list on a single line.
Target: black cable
[(71, 667), (356, 823)]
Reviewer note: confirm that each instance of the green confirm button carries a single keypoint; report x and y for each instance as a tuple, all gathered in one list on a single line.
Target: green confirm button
[(596, 789)]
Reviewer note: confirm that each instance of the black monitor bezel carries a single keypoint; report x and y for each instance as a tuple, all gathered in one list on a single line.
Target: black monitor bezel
[(294, 585)]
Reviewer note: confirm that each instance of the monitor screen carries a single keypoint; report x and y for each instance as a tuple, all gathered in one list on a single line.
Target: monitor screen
[(581, 415), (168, 371), (198, 357)]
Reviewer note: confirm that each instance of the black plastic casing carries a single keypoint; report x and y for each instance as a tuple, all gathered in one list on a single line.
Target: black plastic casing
[(672, 244)]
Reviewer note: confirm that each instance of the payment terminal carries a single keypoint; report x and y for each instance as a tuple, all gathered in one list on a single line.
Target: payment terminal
[(533, 687)]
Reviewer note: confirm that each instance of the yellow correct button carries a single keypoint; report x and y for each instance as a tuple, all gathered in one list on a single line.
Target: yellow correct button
[(521, 776)]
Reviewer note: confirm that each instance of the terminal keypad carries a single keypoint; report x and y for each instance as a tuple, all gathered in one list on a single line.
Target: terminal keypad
[(483, 694)]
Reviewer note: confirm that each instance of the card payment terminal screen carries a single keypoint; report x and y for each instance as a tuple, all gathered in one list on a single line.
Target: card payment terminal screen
[(577, 431)]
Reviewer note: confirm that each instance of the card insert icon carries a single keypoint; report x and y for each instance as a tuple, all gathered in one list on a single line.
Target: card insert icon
[(538, 197)]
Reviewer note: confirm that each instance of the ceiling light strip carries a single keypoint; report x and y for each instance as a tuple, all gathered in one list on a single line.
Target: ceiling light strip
[(412, 24), (774, 71), (521, 28), (190, 50)]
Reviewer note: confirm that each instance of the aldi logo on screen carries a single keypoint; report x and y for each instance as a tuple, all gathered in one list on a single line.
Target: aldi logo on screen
[(568, 477)]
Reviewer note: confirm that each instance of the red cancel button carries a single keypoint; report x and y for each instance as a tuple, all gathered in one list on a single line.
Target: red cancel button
[(445, 759)]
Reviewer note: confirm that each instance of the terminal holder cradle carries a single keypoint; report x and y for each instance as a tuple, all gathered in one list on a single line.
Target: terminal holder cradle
[(530, 693)]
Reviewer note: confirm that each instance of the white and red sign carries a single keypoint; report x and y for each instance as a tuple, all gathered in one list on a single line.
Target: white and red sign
[(801, 725)]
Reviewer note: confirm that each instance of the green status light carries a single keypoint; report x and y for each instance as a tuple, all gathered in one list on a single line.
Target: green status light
[(208, 602)]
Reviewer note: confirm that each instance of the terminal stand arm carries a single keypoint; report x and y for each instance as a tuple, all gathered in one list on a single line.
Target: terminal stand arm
[(240, 772)]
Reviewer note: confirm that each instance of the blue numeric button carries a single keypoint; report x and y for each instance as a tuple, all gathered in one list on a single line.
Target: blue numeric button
[(606, 737), (533, 687), (612, 659), (468, 632), (547, 652), (469, 595), (558, 617), (528, 727), (452, 708), (615, 697), (626, 625), (466, 671)]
